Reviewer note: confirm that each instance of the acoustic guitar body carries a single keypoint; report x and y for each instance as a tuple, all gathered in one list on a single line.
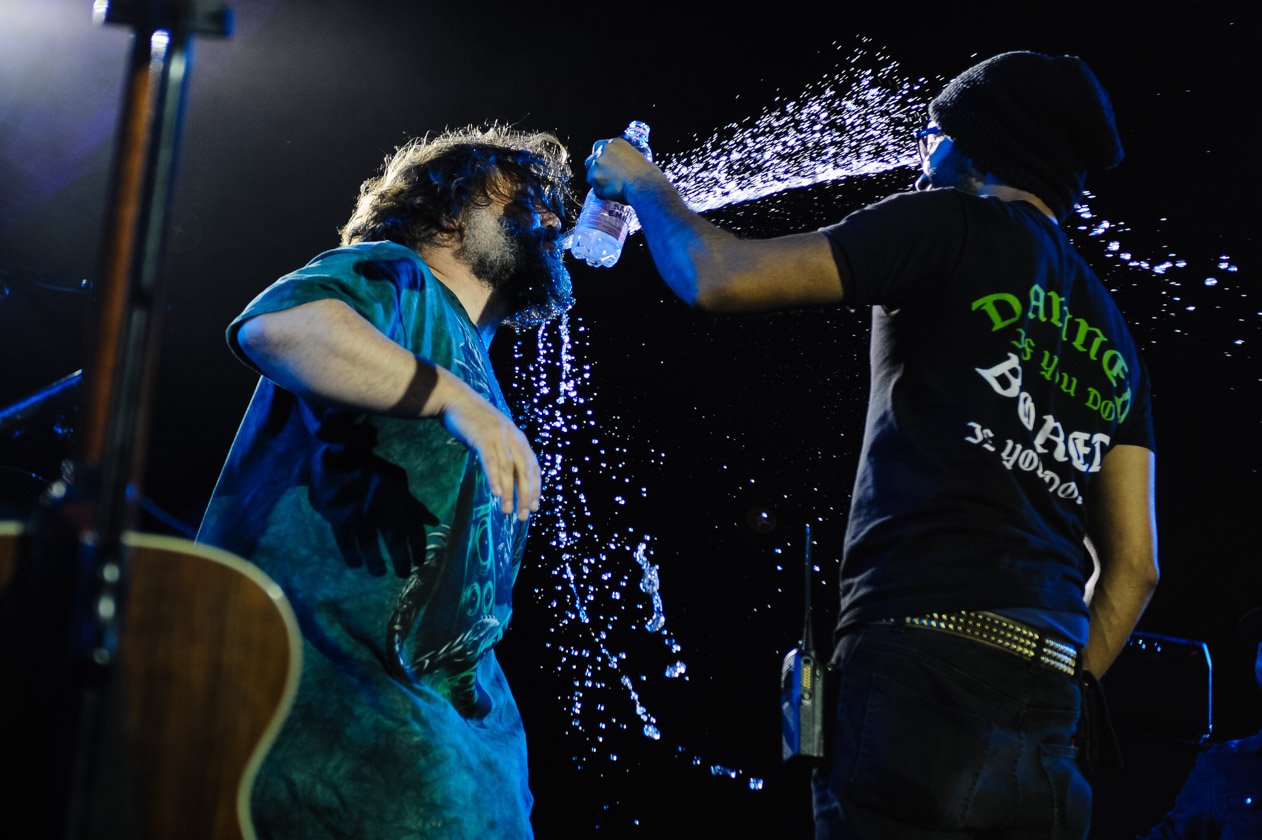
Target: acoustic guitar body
[(208, 662)]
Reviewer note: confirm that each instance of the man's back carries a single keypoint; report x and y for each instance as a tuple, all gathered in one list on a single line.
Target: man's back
[(1001, 372)]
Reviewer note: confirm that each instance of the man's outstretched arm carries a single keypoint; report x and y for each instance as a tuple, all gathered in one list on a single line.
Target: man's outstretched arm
[(705, 266)]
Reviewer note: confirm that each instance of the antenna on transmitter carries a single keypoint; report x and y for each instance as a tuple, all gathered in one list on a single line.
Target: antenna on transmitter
[(801, 688)]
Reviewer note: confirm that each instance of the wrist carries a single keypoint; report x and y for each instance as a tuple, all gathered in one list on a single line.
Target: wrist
[(447, 391), (649, 183)]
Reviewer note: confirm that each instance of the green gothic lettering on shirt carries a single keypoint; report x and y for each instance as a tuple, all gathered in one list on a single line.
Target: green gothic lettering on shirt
[(1051, 307), (1067, 383), (1115, 366), (1110, 409), (1004, 309), (1025, 344)]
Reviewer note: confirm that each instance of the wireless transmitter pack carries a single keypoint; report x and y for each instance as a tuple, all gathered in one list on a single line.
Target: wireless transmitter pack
[(802, 690)]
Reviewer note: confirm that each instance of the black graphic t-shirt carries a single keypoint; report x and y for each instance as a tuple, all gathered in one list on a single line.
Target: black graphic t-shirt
[(1002, 372)]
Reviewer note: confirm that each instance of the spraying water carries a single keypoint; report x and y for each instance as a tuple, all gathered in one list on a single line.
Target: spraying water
[(855, 123)]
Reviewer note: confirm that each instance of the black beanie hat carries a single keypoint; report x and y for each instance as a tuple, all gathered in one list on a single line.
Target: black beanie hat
[(1038, 122)]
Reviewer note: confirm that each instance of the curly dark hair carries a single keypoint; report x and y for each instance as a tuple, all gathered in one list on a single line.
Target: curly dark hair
[(424, 187)]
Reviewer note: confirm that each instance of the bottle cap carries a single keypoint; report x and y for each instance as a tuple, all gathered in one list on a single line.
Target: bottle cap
[(637, 134)]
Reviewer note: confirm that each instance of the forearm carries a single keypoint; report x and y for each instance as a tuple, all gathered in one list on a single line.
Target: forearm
[(1118, 602), (705, 266), (711, 269), (686, 248), (326, 352), (1123, 530)]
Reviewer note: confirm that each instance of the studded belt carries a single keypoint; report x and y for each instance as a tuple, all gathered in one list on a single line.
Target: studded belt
[(999, 632)]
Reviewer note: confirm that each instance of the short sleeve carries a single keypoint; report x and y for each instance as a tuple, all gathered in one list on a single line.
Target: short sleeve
[(1137, 428), (901, 249), (370, 278)]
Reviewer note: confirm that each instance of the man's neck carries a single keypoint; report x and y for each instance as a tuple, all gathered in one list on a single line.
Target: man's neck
[(1005, 192), (479, 301)]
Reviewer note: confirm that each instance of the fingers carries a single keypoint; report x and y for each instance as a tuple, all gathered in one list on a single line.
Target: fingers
[(526, 481), (517, 477), (504, 468), (510, 465), (598, 149), (511, 469)]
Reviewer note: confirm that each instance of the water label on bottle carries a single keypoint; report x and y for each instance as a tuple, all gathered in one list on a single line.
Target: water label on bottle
[(612, 219)]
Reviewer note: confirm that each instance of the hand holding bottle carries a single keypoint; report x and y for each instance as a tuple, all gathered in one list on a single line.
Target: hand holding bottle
[(613, 164), (603, 224)]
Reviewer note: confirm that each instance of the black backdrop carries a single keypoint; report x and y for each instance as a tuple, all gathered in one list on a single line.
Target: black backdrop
[(691, 425)]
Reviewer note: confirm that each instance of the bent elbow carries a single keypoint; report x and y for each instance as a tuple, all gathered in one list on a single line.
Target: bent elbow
[(259, 340), (716, 289), (706, 279), (708, 299), (251, 335), (1143, 571), (687, 278), (270, 346)]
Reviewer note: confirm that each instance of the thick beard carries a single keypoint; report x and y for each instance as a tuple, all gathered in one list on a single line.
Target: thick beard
[(523, 264)]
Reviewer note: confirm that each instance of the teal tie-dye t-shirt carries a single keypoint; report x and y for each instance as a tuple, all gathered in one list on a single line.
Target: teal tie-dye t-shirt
[(385, 537)]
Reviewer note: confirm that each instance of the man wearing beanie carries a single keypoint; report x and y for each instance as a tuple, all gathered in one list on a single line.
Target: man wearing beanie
[(1007, 459)]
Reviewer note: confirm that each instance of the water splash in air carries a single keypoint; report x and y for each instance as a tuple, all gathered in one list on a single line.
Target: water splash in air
[(604, 590), (854, 123)]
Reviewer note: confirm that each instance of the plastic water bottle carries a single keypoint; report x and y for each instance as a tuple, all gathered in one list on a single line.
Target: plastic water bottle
[(602, 226)]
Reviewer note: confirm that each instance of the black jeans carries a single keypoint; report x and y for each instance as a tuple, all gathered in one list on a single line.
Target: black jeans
[(935, 736)]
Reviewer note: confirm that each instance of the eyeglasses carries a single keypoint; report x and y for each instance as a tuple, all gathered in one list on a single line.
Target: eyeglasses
[(927, 139)]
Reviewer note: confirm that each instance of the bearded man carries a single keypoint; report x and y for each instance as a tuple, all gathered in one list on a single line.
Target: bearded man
[(379, 479)]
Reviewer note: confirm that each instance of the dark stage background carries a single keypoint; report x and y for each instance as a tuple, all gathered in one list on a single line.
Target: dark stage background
[(711, 441)]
